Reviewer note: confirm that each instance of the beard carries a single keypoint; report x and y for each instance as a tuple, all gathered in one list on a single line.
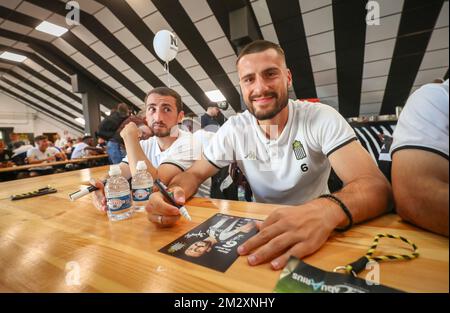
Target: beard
[(161, 132), (281, 101)]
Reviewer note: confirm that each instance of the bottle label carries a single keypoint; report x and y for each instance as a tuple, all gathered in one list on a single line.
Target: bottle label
[(141, 194), (116, 204)]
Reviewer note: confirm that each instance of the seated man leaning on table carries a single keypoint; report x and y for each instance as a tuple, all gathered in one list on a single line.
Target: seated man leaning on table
[(286, 149), (420, 159), (42, 153), (86, 148), (169, 152)]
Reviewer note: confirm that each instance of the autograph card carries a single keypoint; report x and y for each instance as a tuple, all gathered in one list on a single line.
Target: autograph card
[(213, 243)]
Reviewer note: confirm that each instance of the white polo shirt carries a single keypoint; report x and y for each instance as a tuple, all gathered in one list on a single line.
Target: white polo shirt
[(183, 152), (294, 168), (38, 154), (423, 123), (77, 152)]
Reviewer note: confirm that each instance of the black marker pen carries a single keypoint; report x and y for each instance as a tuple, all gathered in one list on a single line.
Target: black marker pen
[(82, 192), (166, 194)]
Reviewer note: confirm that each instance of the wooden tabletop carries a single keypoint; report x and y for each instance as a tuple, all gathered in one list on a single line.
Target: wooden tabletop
[(45, 240), (29, 166)]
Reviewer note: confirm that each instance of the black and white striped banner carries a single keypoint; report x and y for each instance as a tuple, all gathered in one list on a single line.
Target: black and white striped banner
[(369, 136)]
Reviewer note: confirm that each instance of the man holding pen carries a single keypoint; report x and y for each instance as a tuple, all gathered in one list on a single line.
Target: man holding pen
[(169, 152), (286, 150)]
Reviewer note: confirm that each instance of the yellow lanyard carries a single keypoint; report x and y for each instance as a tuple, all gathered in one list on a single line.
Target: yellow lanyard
[(360, 264)]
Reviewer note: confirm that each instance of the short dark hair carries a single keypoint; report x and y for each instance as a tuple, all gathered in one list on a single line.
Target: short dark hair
[(40, 137), (123, 109), (165, 91), (260, 46)]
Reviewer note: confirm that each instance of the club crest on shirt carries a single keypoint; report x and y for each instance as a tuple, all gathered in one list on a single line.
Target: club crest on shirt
[(299, 151), (251, 156)]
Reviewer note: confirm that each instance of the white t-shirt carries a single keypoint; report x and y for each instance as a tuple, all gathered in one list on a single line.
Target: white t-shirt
[(292, 169), (423, 123), (78, 151), (204, 138), (182, 153), (38, 154), (60, 143)]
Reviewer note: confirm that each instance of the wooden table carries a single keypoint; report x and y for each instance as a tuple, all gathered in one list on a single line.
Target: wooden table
[(30, 166), (39, 237)]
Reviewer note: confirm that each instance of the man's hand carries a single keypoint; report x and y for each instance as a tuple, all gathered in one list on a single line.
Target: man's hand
[(98, 196), (130, 132), (297, 231), (247, 227), (160, 212), (51, 159)]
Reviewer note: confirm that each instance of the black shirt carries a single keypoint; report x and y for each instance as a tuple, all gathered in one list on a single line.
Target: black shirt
[(109, 126), (5, 156), (217, 121)]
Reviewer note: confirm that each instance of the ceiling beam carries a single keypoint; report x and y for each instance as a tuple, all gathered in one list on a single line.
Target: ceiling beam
[(104, 35), (39, 98), (60, 59), (41, 109), (188, 32), (288, 23), (349, 19), (416, 26)]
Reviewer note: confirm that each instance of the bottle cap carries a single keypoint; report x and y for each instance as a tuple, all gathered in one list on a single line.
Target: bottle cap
[(114, 170), (141, 166)]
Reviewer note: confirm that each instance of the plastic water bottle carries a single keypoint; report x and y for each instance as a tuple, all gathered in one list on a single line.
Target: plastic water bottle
[(118, 195), (141, 185)]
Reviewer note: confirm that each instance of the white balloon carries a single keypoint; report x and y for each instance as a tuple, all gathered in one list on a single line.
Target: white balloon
[(166, 45)]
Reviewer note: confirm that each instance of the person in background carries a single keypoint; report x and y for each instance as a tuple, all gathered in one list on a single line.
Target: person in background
[(68, 148), (213, 119), (108, 131), (384, 158), (86, 148), (78, 141), (52, 145), (42, 153), (60, 142), (145, 131), (419, 153), (13, 138), (201, 135), (5, 156), (20, 153), (101, 144)]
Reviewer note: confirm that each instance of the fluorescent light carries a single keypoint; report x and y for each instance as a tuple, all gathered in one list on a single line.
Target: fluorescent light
[(108, 113), (13, 56), (51, 28), (80, 120), (215, 96)]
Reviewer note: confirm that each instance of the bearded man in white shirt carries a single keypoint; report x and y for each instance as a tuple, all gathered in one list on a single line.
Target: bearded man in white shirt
[(286, 150)]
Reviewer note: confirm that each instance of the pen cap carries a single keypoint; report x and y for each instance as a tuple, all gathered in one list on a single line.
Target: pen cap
[(114, 170), (141, 166)]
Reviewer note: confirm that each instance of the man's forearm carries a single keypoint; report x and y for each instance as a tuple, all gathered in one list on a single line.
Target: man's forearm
[(366, 198), (188, 182), (135, 154), (36, 161)]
